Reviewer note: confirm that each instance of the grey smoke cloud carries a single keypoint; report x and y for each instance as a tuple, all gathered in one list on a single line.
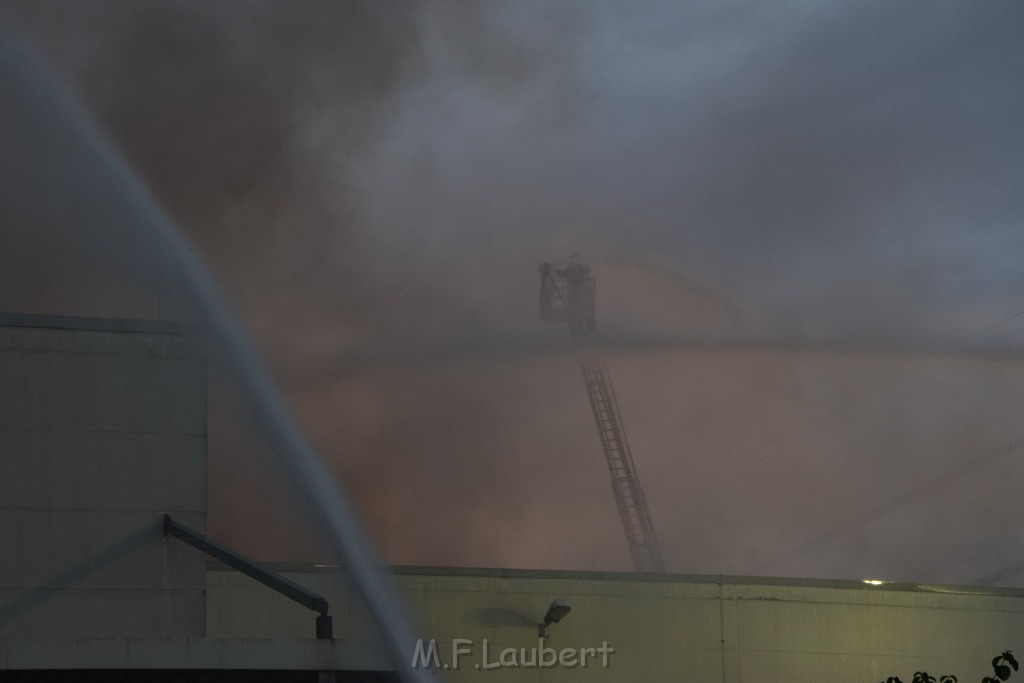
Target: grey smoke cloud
[(365, 179), (771, 152)]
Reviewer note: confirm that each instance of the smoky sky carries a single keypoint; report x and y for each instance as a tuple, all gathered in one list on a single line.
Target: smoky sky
[(365, 177)]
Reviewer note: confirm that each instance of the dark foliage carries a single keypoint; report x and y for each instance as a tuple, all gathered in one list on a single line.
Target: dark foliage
[(1002, 666)]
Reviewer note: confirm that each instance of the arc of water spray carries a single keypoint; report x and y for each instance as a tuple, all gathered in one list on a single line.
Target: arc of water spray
[(44, 128)]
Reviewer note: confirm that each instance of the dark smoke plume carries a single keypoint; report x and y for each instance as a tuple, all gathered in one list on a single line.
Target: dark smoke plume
[(366, 179)]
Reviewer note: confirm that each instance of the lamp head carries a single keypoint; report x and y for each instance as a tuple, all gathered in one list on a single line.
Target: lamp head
[(556, 612), (558, 609)]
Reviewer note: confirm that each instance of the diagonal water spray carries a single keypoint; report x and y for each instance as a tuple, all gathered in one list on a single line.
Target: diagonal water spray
[(55, 168)]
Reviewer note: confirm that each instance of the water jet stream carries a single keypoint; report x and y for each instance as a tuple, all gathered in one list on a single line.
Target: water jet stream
[(55, 168)]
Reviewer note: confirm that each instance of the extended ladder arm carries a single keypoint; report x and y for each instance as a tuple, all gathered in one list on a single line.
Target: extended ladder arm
[(629, 495), (567, 295)]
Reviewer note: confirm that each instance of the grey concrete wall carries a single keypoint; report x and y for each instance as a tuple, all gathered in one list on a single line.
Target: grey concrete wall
[(182, 653), (672, 628), (101, 433)]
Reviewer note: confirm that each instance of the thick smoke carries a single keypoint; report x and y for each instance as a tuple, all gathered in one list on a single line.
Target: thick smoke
[(365, 179)]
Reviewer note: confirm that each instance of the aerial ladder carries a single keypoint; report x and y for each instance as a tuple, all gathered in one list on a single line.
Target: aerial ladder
[(567, 296)]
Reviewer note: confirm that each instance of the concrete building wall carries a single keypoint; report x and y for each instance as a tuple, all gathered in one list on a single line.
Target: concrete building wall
[(101, 432), (669, 628)]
